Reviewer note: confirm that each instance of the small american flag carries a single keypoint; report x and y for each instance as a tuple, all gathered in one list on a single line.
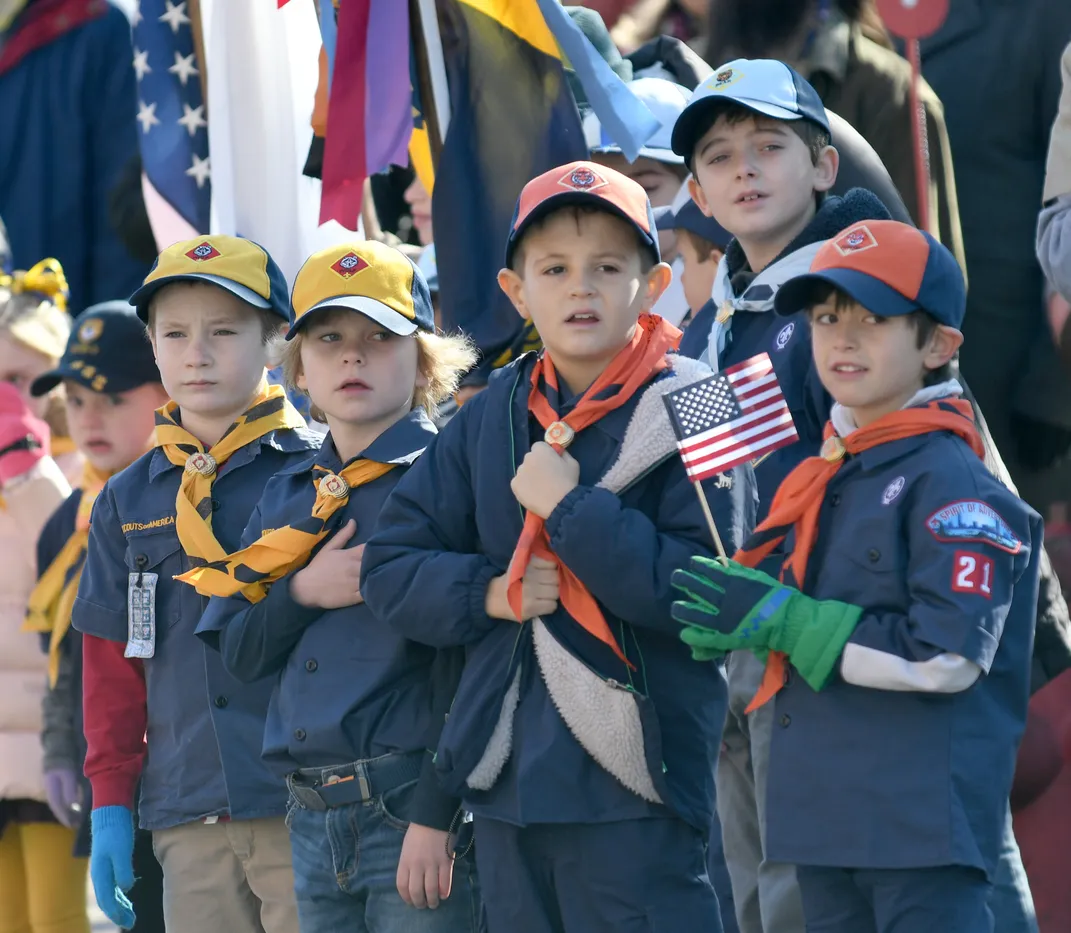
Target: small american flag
[(732, 417)]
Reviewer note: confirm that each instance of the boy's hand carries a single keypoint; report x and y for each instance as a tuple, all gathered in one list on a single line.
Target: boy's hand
[(332, 579), (544, 479), (539, 592), (425, 871)]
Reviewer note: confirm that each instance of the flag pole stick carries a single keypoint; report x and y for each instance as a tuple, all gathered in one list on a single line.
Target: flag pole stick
[(722, 556), (918, 135), (430, 72)]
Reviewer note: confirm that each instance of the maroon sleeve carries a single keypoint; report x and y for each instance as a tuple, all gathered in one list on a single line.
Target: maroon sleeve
[(113, 696)]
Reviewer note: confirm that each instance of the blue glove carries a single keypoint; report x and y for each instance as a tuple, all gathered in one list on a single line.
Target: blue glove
[(111, 863)]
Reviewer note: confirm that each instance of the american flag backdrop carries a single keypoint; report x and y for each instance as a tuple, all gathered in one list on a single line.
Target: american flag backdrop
[(730, 418), (173, 125)]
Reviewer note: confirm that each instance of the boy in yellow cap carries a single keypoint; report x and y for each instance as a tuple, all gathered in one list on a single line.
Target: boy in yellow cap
[(355, 704), (158, 704)]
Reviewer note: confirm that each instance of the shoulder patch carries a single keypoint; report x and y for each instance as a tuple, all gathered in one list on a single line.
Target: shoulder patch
[(971, 520), (784, 335)]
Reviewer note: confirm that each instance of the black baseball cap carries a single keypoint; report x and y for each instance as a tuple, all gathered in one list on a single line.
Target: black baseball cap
[(108, 351)]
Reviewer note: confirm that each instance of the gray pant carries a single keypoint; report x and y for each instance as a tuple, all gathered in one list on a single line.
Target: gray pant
[(766, 894)]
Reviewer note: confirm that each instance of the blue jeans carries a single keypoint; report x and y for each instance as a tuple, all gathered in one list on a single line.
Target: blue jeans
[(345, 865)]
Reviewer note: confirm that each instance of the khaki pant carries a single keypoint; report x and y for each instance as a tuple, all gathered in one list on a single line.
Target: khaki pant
[(228, 877)]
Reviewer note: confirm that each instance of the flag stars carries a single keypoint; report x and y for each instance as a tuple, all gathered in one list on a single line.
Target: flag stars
[(141, 63), (147, 116), (193, 118), (200, 170), (175, 15), (135, 15), (184, 67)]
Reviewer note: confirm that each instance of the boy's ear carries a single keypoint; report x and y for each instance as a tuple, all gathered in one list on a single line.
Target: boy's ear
[(513, 285), (716, 254), (698, 196), (658, 280), (825, 169), (943, 346)]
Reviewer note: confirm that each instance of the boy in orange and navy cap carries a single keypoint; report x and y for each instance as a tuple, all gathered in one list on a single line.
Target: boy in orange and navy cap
[(582, 739), (159, 705), (899, 639), (355, 705)]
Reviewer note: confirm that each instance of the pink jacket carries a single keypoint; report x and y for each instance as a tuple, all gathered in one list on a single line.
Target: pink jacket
[(28, 503)]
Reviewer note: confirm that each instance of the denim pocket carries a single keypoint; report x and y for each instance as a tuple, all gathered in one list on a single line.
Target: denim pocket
[(394, 805)]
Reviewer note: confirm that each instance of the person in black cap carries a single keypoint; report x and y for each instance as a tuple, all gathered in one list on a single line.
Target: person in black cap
[(112, 390)]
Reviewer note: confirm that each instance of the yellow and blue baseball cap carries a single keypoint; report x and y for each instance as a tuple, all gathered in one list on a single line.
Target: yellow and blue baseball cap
[(107, 351), (369, 277), (234, 263), (763, 85), (889, 268)]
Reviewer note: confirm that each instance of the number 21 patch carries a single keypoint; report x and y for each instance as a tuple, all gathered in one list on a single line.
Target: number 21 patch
[(973, 573)]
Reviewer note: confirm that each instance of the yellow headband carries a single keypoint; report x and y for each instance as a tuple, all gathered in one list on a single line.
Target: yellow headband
[(46, 278)]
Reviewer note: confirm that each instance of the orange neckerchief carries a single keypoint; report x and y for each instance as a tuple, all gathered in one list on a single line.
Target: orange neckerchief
[(800, 496), (631, 369)]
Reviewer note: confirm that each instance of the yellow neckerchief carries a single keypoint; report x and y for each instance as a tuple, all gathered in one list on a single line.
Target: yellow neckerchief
[(269, 412), (50, 604), (253, 569)]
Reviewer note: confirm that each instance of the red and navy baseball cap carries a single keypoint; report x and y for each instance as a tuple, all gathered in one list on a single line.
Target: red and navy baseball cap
[(890, 268), (583, 183), (767, 87)]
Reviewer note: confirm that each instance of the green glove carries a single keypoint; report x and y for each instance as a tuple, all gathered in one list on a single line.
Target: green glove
[(732, 607)]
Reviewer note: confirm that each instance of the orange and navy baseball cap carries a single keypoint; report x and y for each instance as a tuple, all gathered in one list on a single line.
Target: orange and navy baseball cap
[(234, 263), (583, 183), (890, 268), (369, 277)]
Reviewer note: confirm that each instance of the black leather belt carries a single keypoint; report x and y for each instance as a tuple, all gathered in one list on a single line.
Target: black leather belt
[(357, 782)]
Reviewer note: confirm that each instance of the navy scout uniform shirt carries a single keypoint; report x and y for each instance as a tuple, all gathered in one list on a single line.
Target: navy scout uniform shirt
[(943, 559), (348, 687), (204, 727)]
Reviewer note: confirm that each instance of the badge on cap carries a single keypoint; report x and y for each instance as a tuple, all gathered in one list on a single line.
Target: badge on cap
[(90, 330), (582, 179), (334, 486), (200, 462), (349, 265), (725, 77), (855, 241), (203, 252)]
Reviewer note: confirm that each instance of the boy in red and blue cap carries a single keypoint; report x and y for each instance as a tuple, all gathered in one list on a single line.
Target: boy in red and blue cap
[(898, 642), (582, 739)]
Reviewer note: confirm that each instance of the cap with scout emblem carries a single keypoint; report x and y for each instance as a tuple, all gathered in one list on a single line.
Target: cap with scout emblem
[(684, 214), (107, 351), (369, 277), (236, 264), (665, 100), (580, 183), (889, 268), (763, 85)]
